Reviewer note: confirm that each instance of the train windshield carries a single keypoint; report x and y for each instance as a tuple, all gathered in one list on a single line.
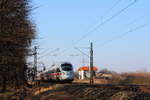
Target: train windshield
[(66, 67)]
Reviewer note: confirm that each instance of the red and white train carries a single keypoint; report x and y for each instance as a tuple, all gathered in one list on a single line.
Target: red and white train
[(60, 72)]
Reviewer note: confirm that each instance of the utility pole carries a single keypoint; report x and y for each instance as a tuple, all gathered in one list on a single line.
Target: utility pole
[(35, 62), (91, 63)]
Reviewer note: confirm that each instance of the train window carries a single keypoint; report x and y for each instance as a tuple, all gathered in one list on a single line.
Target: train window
[(66, 67), (58, 70)]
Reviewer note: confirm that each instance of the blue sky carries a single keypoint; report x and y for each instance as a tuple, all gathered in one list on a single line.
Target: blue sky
[(61, 23)]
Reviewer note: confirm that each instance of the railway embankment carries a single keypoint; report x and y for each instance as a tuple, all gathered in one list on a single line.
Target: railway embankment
[(83, 91), (77, 91)]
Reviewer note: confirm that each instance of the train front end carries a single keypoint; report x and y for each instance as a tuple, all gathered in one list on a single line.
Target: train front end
[(67, 73)]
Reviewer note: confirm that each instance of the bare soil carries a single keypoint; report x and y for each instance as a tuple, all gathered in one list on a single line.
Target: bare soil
[(81, 91), (95, 92)]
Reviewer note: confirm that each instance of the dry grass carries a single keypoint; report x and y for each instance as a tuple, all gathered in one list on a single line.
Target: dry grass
[(84, 92), (141, 78), (44, 89)]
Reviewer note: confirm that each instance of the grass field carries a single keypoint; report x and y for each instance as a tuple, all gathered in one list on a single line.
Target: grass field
[(141, 78)]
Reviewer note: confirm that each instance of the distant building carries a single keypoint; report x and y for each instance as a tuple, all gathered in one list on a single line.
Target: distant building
[(104, 76), (84, 72)]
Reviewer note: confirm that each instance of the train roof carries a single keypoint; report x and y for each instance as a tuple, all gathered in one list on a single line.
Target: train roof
[(58, 64)]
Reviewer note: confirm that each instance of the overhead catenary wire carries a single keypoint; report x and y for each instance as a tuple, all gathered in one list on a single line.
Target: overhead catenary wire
[(45, 51), (49, 53), (106, 21), (112, 7), (101, 24), (139, 18), (106, 13), (82, 52), (124, 34), (136, 20)]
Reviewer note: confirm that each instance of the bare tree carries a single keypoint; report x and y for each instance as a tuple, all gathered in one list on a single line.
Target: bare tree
[(16, 34)]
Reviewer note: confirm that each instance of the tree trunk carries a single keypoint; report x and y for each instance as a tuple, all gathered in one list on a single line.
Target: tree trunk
[(4, 85)]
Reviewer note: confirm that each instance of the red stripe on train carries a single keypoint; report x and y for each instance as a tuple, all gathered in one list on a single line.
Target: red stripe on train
[(56, 74)]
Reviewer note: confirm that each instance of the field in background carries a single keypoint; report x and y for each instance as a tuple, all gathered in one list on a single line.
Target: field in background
[(139, 78), (110, 77)]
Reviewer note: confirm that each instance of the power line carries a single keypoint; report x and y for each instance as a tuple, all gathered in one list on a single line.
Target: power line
[(112, 7), (101, 24), (138, 19), (107, 20), (82, 52), (106, 12), (49, 53), (135, 20), (124, 34), (45, 51)]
